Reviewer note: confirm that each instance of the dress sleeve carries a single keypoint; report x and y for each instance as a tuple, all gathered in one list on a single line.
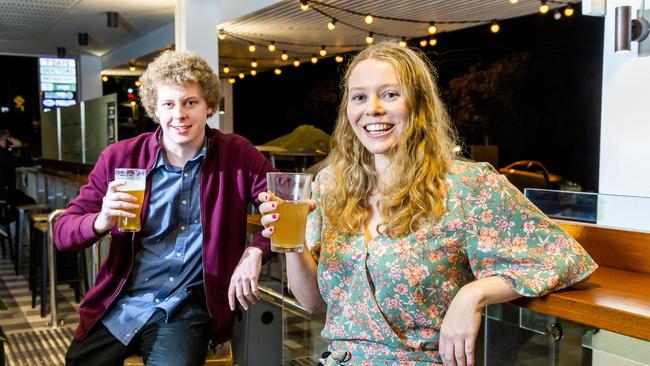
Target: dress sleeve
[(507, 236), (314, 229)]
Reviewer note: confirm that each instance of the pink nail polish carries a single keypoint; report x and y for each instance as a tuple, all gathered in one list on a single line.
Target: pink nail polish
[(270, 229), (273, 205), (275, 216)]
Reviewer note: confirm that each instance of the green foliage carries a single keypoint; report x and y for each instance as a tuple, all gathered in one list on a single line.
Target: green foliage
[(487, 95)]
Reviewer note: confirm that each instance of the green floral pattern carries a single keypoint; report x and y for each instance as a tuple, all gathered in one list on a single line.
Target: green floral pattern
[(385, 304)]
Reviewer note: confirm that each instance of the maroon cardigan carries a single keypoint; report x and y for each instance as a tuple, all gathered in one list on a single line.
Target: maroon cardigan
[(232, 175)]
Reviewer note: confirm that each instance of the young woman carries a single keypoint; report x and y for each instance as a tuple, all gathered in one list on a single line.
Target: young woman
[(410, 244)]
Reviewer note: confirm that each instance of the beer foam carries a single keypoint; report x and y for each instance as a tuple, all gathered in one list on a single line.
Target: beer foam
[(132, 186)]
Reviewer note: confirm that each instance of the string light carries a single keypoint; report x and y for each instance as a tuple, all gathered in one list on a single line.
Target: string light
[(277, 71), (568, 11), (138, 83), (495, 27), (241, 75), (104, 78), (433, 41), (296, 62), (251, 47), (369, 19), (432, 28), (272, 46), (133, 103), (543, 8), (332, 24), (314, 59), (423, 43), (303, 6), (514, 1), (284, 56), (369, 38), (338, 58), (231, 80), (131, 68), (403, 42), (226, 69), (253, 72), (222, 35), (557, 15), (254, 63), (323, 51)]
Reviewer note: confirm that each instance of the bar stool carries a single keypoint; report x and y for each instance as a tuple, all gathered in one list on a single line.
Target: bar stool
[(22, 210), (34, 253), (221, 357)]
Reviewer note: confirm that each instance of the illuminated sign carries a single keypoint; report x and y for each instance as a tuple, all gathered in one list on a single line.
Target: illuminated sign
[(58, 77)]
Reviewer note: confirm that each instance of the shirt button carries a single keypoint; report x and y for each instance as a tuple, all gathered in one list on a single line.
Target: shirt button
[(178, 254), (183, 228), (171, 279), (128, 334), (135, 331), (157, 300), (184, 202), (186, 175)]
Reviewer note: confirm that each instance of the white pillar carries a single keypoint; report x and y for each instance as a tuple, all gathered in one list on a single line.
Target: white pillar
[(90, 69), (195, 24), (625, 120)]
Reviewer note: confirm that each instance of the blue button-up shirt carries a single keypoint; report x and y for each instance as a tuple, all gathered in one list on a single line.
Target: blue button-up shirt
[(169, 264)]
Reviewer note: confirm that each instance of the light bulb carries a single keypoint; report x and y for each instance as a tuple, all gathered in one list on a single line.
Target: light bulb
[(369, 38), (272, 46), (369, 19), (332, 24), (226, 69), (494, 28), (104, 78), (284, 56), (132, 103), (423, 43), (251, 47), (222, 35), (403, 42), (296, 62), (514, 1), (241, 75), (138, 83), (277, 71), (131, 68), (568, 11), (543, 8), (231, 80), (432, 28), (338, 58), (433, 42), (253, 72), (557, 15), (314, 59), (303, 5), (254, 63), (323, 51)]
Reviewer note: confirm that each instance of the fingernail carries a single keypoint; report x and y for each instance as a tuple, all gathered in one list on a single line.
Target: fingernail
[(270, 229), (275, 216), (273, 205)]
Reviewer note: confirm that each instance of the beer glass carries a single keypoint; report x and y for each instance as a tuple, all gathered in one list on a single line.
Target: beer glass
[(136, 181), (292, 191)]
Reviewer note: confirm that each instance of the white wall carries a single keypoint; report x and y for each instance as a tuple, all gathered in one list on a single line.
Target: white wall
[(625, 123)]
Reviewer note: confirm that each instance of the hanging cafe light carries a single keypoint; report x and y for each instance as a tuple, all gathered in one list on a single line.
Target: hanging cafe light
[(323, 51), (332, 24), (568, 11), (543, 7), (338, 58), (296, 62), (369, 19), (314, 59), (272, 46), (303, 6), (432, 28), (369, 38), (284, 56), (402, 42), (495, 27)]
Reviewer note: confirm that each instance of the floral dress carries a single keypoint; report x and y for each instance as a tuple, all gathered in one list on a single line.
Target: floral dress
[(386, 299)]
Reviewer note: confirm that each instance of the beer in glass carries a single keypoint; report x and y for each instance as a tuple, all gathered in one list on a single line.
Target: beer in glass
[(292, 191), (136, 181)]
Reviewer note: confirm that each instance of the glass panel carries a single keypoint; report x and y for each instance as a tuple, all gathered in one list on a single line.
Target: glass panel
[(625, 212), (100, 125), (49, 143), (71, 133)]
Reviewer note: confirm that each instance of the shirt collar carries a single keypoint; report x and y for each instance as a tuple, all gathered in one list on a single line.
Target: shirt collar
[(161, 160)]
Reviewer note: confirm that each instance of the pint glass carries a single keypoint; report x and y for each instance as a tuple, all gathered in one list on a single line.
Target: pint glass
[(292, 192), (136, 181)]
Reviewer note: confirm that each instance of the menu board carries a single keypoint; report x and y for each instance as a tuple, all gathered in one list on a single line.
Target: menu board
[(58, 81)]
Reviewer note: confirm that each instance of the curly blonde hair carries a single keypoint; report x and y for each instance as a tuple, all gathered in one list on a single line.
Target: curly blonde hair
[(178, 68), (415, 190)]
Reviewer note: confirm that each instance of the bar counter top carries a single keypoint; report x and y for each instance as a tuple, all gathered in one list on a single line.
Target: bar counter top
[(616, 297)]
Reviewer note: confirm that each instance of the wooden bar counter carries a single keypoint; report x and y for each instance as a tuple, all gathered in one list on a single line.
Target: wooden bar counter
[(615, 298)]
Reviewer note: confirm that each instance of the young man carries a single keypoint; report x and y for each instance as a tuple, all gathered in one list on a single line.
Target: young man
[(165, 291)]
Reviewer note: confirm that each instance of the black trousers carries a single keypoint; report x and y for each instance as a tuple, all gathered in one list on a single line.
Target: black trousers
[(183, 340)]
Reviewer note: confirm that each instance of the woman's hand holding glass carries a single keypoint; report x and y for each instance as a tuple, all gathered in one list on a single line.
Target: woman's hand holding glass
[(268, 208)]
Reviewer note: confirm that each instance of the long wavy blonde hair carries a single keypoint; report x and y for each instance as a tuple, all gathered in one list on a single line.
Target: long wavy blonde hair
[(414, 191)]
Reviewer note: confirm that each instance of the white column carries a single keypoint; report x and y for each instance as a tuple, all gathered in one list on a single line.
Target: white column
[(90, 68), (625, 120), (196, 31)]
